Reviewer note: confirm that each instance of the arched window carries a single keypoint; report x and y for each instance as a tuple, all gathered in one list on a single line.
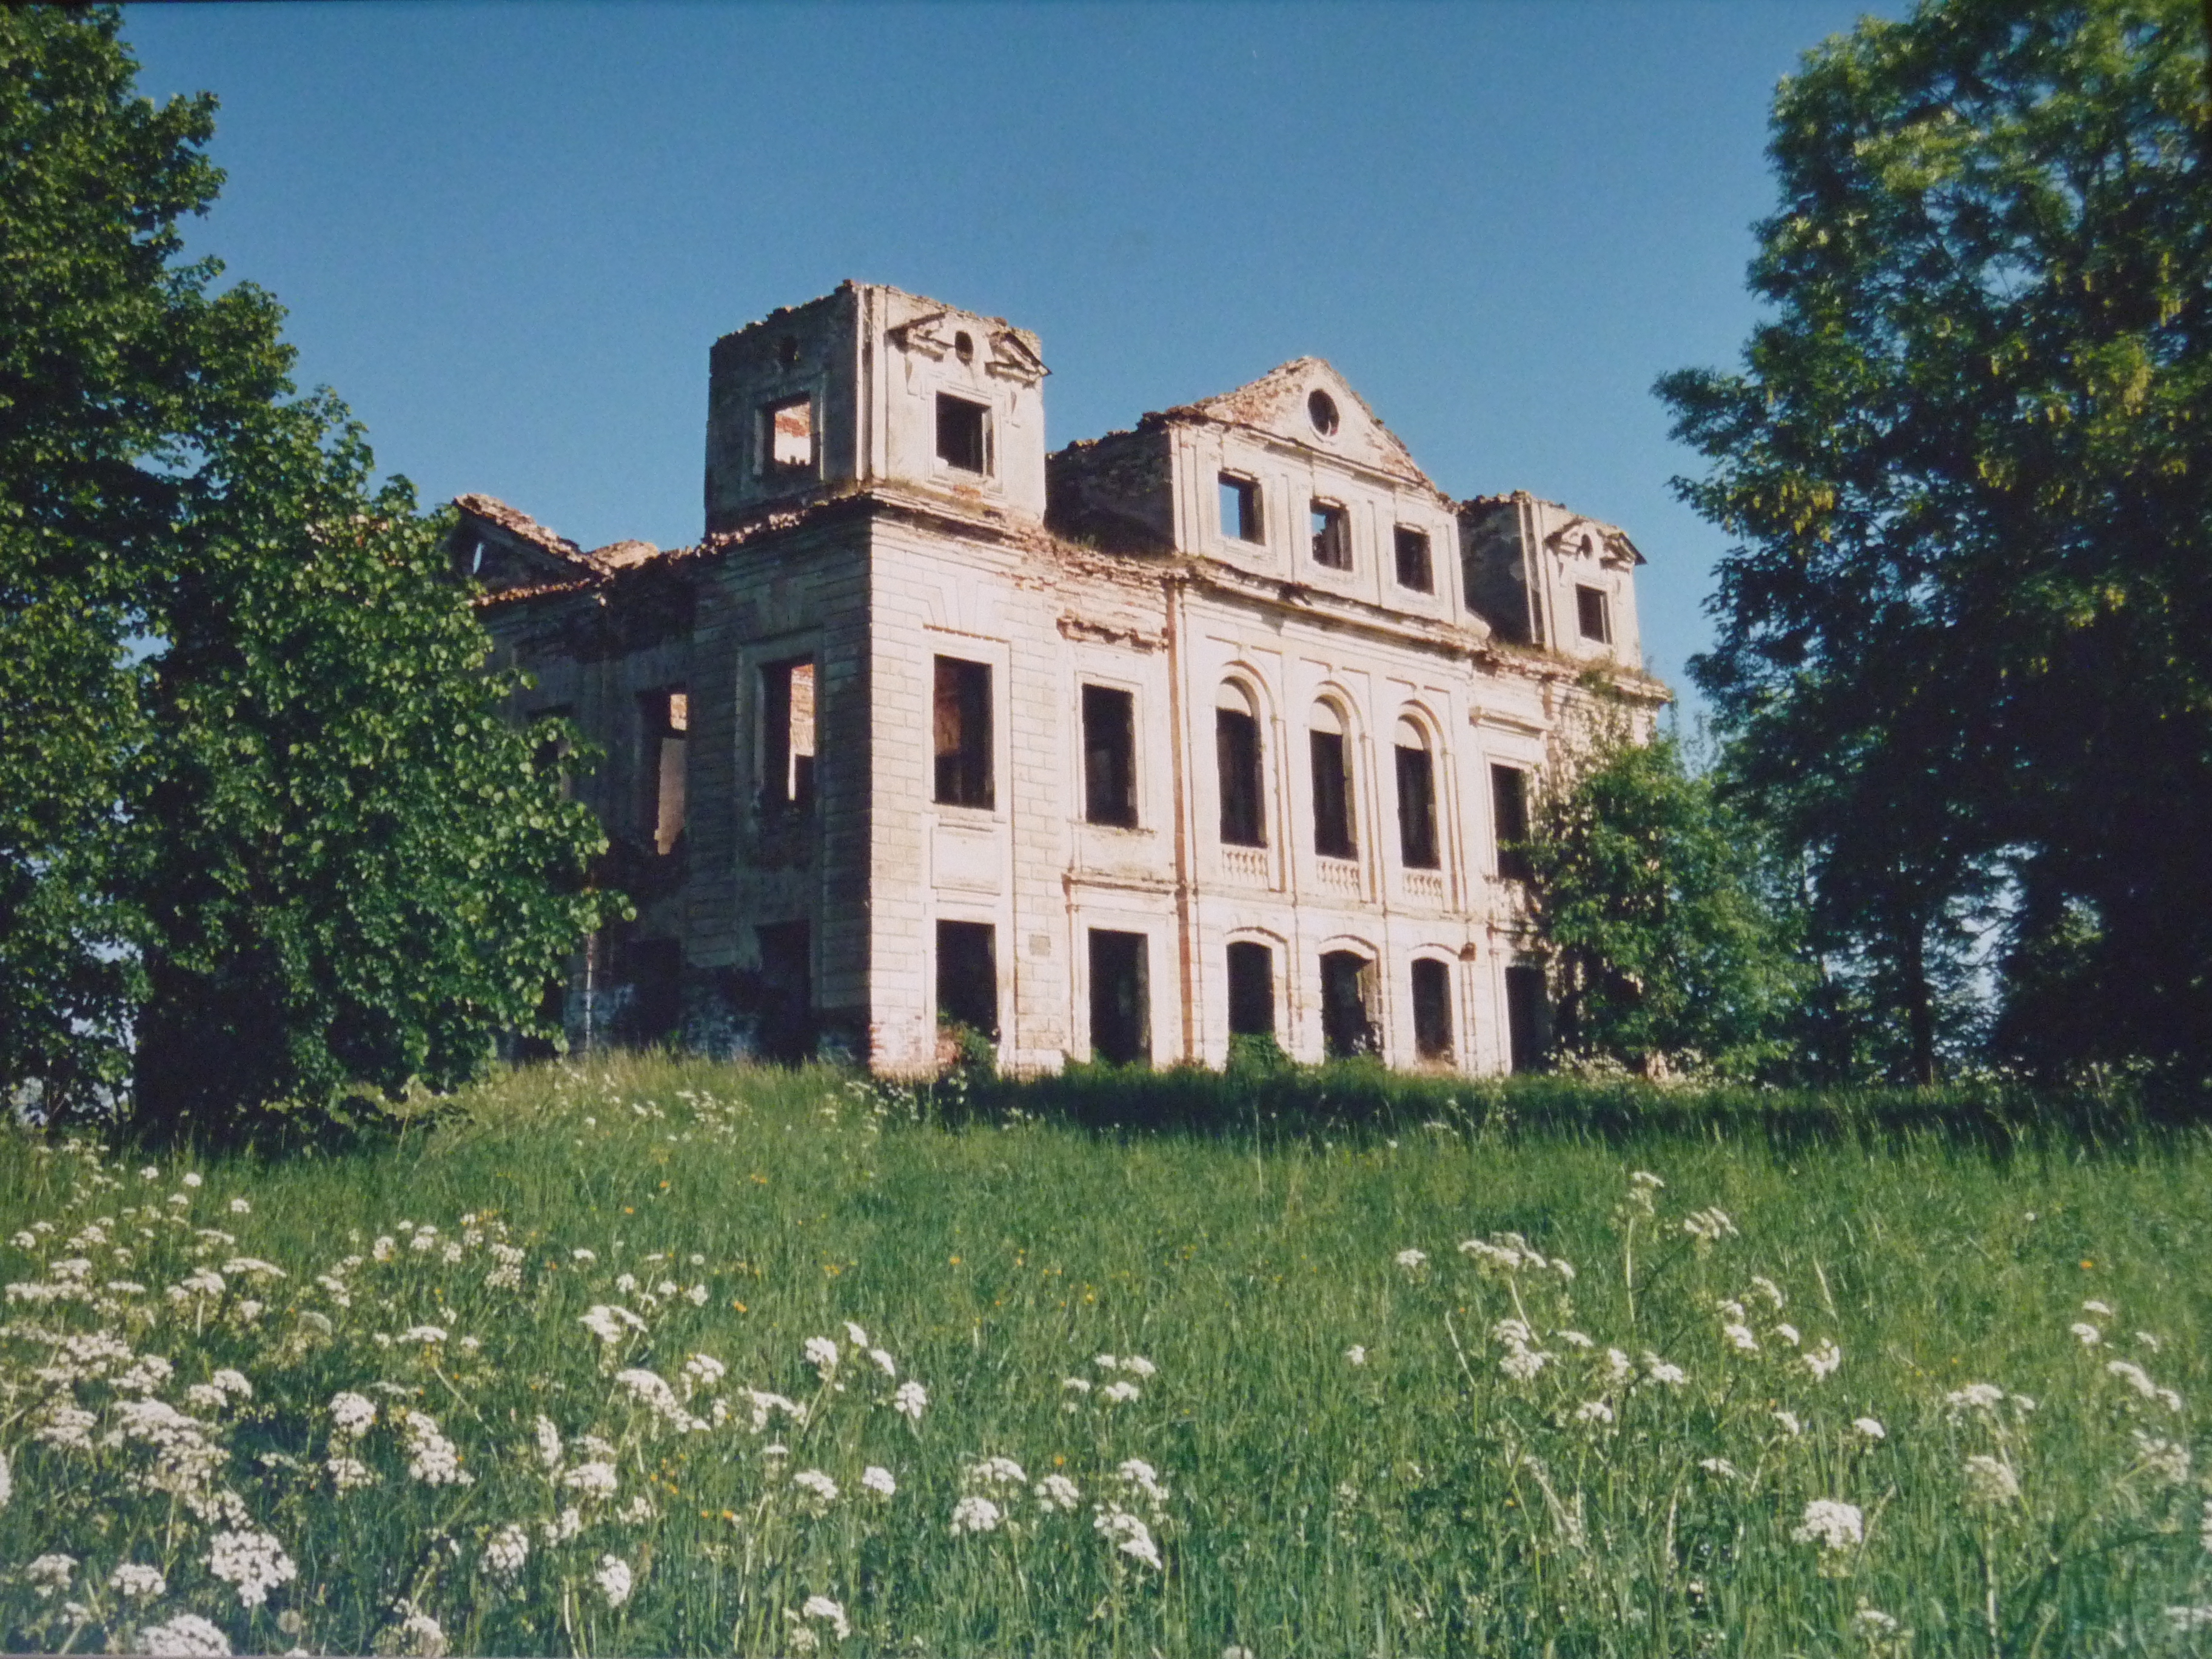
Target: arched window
[(1417, 798), (1237, 754), (1347, 1004), (1432, 1015), (1332, 783)]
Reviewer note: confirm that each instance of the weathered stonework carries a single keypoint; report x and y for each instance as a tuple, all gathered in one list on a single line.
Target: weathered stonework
[(1149, 642)]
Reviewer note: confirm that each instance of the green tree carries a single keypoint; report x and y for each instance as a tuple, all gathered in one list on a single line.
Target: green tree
[(1669, 946), (1964, 652), (264, 834)]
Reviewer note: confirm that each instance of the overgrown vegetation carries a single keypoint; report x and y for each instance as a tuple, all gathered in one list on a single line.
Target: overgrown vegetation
[(611, 1359)]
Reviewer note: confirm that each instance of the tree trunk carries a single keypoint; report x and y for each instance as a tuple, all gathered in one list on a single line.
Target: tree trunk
[(1919, 1003)]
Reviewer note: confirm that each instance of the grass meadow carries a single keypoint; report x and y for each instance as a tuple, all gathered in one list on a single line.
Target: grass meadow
[(652, 1356)]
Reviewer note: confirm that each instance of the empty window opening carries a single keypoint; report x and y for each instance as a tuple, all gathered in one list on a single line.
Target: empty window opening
[(1251, 990), (964, 732), (787, 735), (787, 351), (1121, 1007), (1240, 509), (962, 433), (1321, 409), (1331, 786), (1432, 1019), (1236, 754), (1110, 759), (1417, 805), (1590, 614), (1347, 996), (649, 990), (787, 438), (1527, 1017), (968, 976), (787, 989), (1414, 571), (1508, 814), (665, 719), (1331, 535)]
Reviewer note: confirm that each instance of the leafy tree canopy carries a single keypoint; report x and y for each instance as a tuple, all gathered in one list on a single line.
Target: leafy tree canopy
[(1965, 647), (1667, 950), (264, 834)]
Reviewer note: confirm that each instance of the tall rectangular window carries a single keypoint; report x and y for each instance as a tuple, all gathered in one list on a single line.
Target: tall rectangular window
[(1240, 509), (788, 439), (1414, 568), (1590, 614), (1432, 1020), (1509, 820), (963, 442), (1251, 990), (664, 721), (786, 743), (1331, 535), (964, 732), (1416, 808), (968, 976), (1121, 1007), (1236, 754), (1331, 797), (1110, 760), (1526, 1018)]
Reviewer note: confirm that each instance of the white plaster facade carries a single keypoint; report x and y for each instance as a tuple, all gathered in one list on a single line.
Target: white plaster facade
[(879, 496)]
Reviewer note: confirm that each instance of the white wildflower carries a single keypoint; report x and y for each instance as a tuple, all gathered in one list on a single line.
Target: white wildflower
[(879, 1479), (1120, 1393), (610, 1324), (1739, 1338), (882, 1362), (253, 1561), (566, 1526), (1790, 1425), (1873, 1624), (613, 1579), (594, 1479), (697, 1296), (423, 1333), (1141, 1477), (2146, 1339), (823, 1608), (2088, 1334), (580, 1254), (1576, 1340), (1128, 1535), (1659, 1370), (1975, 1396), (49, 1573), (349, 1473), (192, 1177), (413, 1632), (1410, 1259), (1523, 1363), (821, 1490), (1991, 1481), (1356, 1355), (1057, 1492), (1594, 1411), (1823, 1359), (2098, 1308), (910, 1400), (821, 1353), (855, 1335), (993, 1472), (1787, 1332), (1644, 1178), (2187, 1621), (2169, 1460), (636, 1513), (139, 1583), (1137, 1365), (703, 1370), (431, 1458), (1709, 1226), (1831, 1524), (1105, 1361), (382, 1249), (975, 1515), (186, 1634), (549, 1442), (1720, 1467), (351, 1414), (240, 1207), (69, 1426), (1870, 1427)]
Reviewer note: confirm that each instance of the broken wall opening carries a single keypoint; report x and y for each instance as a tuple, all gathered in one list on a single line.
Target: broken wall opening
[(788, 439), (1432, 1015), (785, 997), (665, 717), (968, 976), (1120, 1002)]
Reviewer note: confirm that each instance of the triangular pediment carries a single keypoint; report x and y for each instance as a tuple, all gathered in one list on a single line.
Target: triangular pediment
[(1307, 403)]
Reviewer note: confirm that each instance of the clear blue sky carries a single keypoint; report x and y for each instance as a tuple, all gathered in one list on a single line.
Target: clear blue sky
[(509, 233)]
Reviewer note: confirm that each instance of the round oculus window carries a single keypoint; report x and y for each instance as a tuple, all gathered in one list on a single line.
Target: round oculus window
[(963, 347), (1321, 409)]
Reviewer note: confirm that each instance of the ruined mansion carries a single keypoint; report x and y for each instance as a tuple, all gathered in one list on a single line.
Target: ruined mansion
[(1211, 729)]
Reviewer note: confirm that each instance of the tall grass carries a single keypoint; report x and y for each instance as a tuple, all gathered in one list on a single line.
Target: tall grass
[(1354, 1437)]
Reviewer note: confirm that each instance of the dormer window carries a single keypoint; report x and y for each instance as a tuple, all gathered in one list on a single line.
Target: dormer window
[(1240, 509), (1331, 535), (1413, 569), (962, 435), (1590, 615), (788, 439)]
